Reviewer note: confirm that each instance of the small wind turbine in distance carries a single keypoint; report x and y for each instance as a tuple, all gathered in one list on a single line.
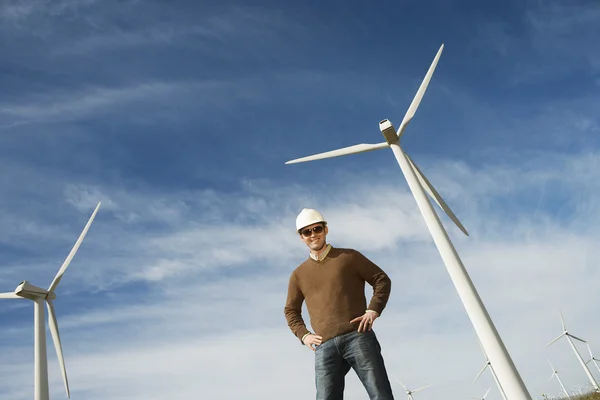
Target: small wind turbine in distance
[(26, 290), (488, 336), (583, 364), (489, 365), (592, 358), (409, 392), (484, 396), (555, 372)]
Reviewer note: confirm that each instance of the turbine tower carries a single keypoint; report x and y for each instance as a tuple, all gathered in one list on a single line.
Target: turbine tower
[(555, 372), (583, 364), (508, 375), (38, 295)]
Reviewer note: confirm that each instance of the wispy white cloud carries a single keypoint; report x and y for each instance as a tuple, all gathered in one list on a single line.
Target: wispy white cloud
[(97, 27), (17, 10), (145, 101), (211, 29), (559, 33), (173, 100), (548, 41)]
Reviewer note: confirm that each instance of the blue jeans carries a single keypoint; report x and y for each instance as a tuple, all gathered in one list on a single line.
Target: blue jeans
[(357, 350)]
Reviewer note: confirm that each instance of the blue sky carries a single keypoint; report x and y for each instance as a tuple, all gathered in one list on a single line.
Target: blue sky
[(179, 117)]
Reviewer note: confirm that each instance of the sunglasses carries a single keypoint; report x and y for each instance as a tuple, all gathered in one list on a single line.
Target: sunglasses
[(307, 232)]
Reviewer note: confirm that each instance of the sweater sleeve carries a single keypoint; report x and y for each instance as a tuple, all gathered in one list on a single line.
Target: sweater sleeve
[(378, 279), (293, 309)]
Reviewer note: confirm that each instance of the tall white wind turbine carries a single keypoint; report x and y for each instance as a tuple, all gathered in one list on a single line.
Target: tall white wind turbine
[(583, 364), (38, 295), (555, 373), (507, 373)]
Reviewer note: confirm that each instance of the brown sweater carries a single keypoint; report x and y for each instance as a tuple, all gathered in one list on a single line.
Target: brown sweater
[(334, 290)]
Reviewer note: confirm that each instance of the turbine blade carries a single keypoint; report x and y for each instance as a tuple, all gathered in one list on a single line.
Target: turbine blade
[(553, 371), (576, 338), (67, 261), (590, 351), (480, 372), (561, 335), (562, 320), (486, 393), (355, 149), (421, 388), (410, 113), (10, 295), (435, 195), (53, 325), (402, 384)]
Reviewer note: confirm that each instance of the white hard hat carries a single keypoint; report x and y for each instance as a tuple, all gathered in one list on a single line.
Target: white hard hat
[(308, 216)]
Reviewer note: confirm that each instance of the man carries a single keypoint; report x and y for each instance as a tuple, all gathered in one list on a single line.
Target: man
[(332, 281)]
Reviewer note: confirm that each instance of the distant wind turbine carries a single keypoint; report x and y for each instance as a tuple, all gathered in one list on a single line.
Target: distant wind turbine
[(555, 373), (592, 358), (26, 290), (484, 396), (484, 328), (488, 364), (583, 364), (409, 392)]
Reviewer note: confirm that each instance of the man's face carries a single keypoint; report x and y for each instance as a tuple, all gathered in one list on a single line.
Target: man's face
[(314, 240)]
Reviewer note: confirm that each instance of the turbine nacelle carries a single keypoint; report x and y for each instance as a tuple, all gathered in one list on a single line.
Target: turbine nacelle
[(389, 133), (31, 292)]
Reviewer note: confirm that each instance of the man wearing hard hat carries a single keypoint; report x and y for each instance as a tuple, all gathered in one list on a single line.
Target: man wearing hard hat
[(332, 282)]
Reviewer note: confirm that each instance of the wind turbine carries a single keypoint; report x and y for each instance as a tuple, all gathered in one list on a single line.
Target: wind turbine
[(592, 358), (38, 295), (583, 364), (486, 331), (488, 364), (484, 396), (410, 392), (555, 372)]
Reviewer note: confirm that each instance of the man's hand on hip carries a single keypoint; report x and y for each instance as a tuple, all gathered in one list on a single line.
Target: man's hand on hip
[(366, 321), (311, 340)]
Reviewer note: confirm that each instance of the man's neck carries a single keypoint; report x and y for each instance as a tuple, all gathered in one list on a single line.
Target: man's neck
[(320, 251), (317, 253)]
